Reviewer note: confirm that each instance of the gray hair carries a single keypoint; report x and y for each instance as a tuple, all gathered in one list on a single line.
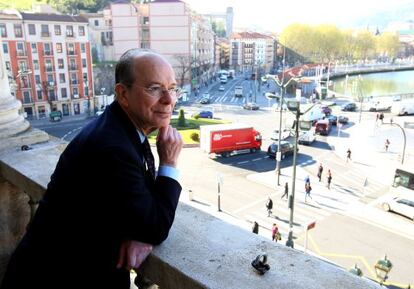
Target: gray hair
[(125, 68)]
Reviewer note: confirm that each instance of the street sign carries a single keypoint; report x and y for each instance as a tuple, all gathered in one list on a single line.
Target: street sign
[(311, 225)]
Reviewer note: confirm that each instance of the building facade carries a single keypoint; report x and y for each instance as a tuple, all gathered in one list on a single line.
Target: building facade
[(251, 51), (48, 59)]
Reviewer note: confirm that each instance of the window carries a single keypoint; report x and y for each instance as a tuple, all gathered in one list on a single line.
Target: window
[(22, 66), (47, 49), (3, 30), (81, 30), (83, 47), (57, 30), (26, 97), (86, 91), (73, 79), (48, 65), (85, 77), (59, 47), (25, 81), (51, 94), (5, 48), (50, 80), (45, 30), (34, 48), (64, 92), (75, 91), (37, 79), (83, 62), (72, 64), (71, 49), (61, 64), (18, 32), (69, 31), (8, 65), (62, 78), (96, 22), (32, 29), (39, 95), (36, 64), (20, 49)]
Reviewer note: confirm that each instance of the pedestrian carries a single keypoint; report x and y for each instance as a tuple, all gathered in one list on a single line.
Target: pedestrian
[(286, 191), (269, 206), (387, 144), (307, 180), (91, 235), (381, 117), (320, 170), (329, 179), (377, 117), (348, 155), (308, 190), (255, 228), (275, 233)]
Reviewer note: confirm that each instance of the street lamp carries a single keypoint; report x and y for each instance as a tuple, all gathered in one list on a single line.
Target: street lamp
[(294, 106), (382, 268), (405, 138), (281, 100), (356, 271)]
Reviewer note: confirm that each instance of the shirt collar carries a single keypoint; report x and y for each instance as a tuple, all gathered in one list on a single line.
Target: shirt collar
[(142, 137)]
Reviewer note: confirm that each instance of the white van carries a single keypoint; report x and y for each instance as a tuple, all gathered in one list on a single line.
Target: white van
[(403, 107), (223, 79), (380, 103)]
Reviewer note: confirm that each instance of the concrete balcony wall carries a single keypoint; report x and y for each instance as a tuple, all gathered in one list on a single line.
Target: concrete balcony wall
[(202, 251)]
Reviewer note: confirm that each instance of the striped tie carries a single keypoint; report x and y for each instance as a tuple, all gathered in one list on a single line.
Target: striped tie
[(149, 158)]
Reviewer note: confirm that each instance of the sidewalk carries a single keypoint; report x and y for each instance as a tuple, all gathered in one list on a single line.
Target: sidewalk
[(367, 143)]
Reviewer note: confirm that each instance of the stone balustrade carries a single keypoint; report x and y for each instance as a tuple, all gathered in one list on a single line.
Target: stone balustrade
[(202, 251)]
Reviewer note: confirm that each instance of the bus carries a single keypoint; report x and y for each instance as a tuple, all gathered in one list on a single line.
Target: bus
[(403, 181)]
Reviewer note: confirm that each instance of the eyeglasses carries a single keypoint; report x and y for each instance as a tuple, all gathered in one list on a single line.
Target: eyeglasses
[(157, 91)]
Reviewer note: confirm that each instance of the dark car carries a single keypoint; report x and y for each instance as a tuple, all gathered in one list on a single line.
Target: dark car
[(350, 106), (343, 119), (251, 106), (333, 119), (326, 109), (286, 149), (204, 114)]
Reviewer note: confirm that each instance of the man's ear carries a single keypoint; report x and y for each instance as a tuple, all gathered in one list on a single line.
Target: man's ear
[(121, 95)]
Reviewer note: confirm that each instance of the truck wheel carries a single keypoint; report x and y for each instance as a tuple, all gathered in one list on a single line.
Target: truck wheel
[(252, 150), (225, 155)]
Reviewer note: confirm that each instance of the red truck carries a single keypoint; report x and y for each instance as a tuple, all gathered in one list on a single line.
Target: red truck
[(225, 139)]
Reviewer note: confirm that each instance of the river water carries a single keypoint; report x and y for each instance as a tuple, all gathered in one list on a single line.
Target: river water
[(375, 84)]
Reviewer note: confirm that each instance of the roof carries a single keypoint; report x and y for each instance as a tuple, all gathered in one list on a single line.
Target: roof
[(249, 35), (168, 1), (53, 17)]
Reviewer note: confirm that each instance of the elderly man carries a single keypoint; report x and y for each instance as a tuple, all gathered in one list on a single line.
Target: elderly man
[(105, 205)]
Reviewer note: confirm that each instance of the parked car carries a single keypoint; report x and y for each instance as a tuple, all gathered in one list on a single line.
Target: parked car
[(206, 95), (221, 88), (400, 205), (323, 127), (286, 149), (205, 100), (55, 115), (350, 106), (251, 106), (204, 114), (333, 119), (326, 109), (343, 119)]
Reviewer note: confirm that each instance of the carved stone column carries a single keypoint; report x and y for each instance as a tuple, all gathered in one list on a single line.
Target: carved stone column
[(14, 129)]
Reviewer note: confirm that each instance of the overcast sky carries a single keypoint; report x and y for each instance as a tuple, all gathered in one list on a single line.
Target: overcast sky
[(274, 15)]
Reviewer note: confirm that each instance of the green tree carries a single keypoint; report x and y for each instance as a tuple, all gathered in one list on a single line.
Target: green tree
[(218, 28), (387, 45), (181, 118)]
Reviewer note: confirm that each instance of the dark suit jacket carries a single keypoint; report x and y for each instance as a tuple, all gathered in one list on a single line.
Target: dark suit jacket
[(98, 196)]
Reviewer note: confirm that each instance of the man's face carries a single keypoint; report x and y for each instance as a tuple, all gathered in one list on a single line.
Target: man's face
[(147, 102)]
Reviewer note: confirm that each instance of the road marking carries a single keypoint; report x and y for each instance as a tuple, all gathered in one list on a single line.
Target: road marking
[(255, 160), (244, 162), (70, 132)]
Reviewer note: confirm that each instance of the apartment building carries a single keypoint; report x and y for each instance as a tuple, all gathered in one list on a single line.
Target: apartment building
[(168, 27), (252, 50), (48, 59)]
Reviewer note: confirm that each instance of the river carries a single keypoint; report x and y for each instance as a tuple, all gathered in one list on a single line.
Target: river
[(375, 84)]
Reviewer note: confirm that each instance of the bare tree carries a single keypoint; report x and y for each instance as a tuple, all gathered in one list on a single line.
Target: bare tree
[(185, 63)]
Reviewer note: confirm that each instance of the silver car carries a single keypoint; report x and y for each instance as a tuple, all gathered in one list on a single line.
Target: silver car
[(401, 205)]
